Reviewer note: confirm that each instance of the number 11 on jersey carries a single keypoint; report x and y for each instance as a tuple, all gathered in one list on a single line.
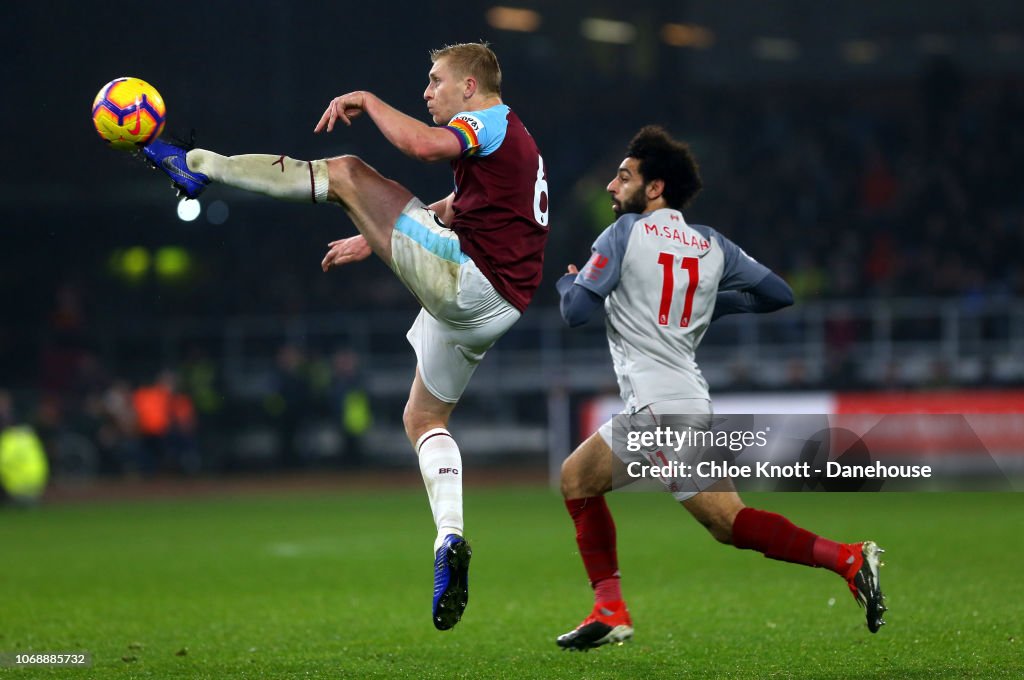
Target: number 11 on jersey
[(689, 265)]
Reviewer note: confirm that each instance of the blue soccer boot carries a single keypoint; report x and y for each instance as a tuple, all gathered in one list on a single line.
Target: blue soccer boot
[(451, 581), (170, 159)]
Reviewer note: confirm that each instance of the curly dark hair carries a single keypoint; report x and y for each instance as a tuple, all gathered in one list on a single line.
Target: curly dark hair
[(662, 157)]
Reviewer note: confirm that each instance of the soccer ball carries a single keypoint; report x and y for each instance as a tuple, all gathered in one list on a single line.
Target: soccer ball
[(128, 113)]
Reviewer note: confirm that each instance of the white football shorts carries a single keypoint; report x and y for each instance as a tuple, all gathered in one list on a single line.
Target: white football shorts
[(462, 314), (679, 413)]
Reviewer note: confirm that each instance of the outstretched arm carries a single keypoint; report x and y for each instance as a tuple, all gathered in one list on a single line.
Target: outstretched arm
[(410, 136), (769, 294)]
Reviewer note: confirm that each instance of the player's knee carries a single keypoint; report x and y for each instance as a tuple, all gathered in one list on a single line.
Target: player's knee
[(344, 173), (568, 484), (417, 421), (571, 481)]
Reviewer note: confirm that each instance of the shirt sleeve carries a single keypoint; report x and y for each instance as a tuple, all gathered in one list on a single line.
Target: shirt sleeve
[(577, 303), (480, 133), (769, 294), (601, 273), (740, 271)]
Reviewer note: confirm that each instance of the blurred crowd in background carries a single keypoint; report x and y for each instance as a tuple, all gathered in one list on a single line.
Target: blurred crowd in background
[(890, 190), (855, 192), (91, 422), (908, 189)]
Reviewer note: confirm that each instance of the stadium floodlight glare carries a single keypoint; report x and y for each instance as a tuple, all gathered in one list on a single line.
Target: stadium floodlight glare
[(172, 262), (608, 31), (688, 35), (188, 209), (134, 263), (513, 19), (776, 49), (860, 51)]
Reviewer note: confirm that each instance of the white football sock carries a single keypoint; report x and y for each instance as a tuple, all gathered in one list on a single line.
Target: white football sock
[(441, 467), (278, 176)]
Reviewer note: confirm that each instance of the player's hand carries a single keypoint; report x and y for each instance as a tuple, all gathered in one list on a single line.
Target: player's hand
[(345, 251), (343, 108), (572, 270)]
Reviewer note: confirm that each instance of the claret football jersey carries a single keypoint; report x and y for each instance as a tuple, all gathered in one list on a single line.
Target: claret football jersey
[(501, 200)]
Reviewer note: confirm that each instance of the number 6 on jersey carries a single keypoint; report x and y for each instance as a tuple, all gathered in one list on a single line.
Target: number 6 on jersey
[(540, 195)]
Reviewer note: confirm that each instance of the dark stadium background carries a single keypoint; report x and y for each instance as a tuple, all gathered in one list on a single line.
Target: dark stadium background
[(871, 153)]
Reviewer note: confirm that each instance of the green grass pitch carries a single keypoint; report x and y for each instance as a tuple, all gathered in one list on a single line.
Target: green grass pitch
[(338, 586)]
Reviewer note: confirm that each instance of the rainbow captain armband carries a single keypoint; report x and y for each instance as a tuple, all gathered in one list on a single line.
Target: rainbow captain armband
[(466, 128)]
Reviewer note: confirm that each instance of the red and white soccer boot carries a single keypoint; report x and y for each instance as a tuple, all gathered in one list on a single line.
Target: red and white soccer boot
[(608, 622), (862, 579)]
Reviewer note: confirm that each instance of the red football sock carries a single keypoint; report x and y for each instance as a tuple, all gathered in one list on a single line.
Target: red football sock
[(775, 536), (595, 536), (839, 557), (608, 590)]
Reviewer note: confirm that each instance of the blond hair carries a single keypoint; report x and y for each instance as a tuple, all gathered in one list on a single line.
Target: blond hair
[(473, 59)]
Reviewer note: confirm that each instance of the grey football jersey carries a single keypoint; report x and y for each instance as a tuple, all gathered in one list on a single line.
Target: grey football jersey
[(659, 277)]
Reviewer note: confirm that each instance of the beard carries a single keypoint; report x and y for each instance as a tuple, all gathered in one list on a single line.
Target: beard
[(634, 203)]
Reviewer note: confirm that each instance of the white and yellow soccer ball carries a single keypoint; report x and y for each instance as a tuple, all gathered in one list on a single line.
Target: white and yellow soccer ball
[(128, 113)]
